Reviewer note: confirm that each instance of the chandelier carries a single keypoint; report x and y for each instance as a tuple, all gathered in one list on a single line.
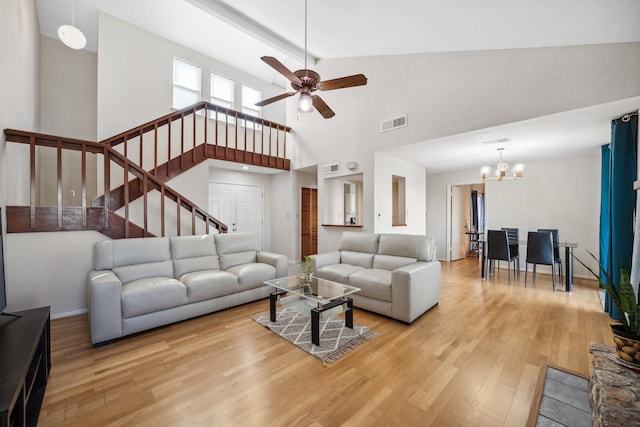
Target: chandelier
[(501, 170)]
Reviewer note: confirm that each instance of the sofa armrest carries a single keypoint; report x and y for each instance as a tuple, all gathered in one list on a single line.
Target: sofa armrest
[(415, 288), (276, 260), (105, 306), (320, 260)]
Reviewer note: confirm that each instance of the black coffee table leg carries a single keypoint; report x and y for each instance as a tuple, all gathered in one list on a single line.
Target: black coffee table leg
[(348, 315), (315, 326), (273, 298)]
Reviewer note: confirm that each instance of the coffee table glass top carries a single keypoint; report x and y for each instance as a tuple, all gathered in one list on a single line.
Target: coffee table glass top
[(322, 290)]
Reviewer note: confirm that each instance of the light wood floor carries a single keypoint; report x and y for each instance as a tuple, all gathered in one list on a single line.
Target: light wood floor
[(473, 360)]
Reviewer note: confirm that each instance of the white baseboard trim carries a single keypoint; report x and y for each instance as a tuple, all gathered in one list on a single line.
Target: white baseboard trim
[(69, 313)]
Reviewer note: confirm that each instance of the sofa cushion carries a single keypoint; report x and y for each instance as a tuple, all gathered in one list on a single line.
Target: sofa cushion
[(152, 294), (237, 242), (228, 261), (389, 262), (129, 273), (337, 272), (361, 259), (252, 275), (209, 284), (375, 283), (359, 242), (407, 245), (194, 253), (116, 253)]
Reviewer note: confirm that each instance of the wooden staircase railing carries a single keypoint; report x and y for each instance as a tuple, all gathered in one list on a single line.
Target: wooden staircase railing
[(22, 219), (148, 156), (173, 144)]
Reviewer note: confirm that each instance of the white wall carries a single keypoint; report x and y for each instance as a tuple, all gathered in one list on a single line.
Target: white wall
[(284, 223), (555, 193), (385, 168), (68, 102), (50, 269), (450, 93), (19, 89), (135, 77)]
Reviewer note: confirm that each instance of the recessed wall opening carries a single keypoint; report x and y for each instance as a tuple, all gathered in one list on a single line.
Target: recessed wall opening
[(398, 197)]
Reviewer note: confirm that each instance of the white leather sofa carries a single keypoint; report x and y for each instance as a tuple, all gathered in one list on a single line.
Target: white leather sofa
[(399, 274), (144, 283)]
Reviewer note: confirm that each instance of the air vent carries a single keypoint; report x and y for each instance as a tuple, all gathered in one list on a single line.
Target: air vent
[(395, 123), (330, 168)]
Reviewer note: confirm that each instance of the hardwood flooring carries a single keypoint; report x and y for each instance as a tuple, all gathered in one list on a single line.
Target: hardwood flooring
[(473, 360)]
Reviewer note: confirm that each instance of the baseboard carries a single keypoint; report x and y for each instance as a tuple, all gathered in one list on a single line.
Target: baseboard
[(69, 313)]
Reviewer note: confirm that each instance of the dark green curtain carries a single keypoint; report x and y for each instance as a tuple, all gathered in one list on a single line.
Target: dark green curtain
[(618, 200)]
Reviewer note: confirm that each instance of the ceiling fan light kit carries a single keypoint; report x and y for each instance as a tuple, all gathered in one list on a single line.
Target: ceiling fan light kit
[(305, 104), (70, 34), (500, 172), (307, 81)]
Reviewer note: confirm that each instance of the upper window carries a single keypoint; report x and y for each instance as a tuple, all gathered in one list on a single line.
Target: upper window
[(186, 83), (249, 98), (222, 90)]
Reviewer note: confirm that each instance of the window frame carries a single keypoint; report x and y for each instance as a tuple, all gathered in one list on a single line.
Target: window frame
[(184, 87)]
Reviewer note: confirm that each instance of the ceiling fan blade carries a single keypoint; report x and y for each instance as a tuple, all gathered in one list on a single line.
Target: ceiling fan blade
[(342, 82), (322, 107), (279, 67), (274, 99)]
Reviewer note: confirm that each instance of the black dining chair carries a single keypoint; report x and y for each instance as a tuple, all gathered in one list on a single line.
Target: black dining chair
[(539, 251), (513, 234), (556, 249), (498, 250)]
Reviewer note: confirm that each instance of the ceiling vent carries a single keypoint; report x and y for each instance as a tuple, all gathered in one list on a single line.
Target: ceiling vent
[(395, 123), (330, 168)]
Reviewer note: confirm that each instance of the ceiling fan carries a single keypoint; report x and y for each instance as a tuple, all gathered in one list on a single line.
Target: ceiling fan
[(308, 81)]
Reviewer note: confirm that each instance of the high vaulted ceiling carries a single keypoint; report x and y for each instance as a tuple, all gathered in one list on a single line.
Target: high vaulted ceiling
[(239, 32)]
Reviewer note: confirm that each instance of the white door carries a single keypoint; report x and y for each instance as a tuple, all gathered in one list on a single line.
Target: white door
[(239, 207), (458, 221)]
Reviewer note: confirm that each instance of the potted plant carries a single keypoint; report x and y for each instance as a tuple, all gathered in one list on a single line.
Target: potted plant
[(625, 335), (306, 276)]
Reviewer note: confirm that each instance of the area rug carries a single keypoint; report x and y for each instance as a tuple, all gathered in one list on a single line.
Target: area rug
[(336, 339)]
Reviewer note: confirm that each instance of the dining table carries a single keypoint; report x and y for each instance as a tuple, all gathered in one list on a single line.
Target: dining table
[(568, 261)]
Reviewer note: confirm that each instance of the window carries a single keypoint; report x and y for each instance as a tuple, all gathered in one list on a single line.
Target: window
[(249, 98), (222, 90), (186, 83), (222, 94)]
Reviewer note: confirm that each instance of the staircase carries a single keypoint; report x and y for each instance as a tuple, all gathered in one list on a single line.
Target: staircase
[(134, 168)]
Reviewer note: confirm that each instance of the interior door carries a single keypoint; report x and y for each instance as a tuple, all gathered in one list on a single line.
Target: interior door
[(222, 203), (239, 207), (309, 222), (458, 221), (249, 209)]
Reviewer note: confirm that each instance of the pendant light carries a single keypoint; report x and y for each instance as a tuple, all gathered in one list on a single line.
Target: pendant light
[(70, 34), (501, 170)]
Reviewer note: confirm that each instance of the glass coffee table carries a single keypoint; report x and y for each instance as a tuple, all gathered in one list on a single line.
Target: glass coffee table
[(324, 298)]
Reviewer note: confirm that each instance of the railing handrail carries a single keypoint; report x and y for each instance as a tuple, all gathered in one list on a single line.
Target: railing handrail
[(178, 114), (47, 140)]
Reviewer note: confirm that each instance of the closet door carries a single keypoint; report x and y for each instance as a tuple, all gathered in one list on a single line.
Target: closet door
[(239, 207), (309, 222)]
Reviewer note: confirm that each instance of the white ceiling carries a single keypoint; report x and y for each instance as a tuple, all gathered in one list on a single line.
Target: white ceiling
[(239, 32)]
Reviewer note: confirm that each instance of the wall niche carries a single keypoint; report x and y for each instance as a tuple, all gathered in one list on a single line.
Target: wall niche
[(343, 201)]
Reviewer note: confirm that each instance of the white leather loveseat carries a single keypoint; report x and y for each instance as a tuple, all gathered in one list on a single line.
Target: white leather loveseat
[(143, 283), (399, 274)]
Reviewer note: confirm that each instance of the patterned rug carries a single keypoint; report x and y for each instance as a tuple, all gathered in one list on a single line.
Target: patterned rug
[(336, 339)]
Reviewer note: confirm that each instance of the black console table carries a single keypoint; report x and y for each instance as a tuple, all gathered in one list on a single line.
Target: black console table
[(25, 361)]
